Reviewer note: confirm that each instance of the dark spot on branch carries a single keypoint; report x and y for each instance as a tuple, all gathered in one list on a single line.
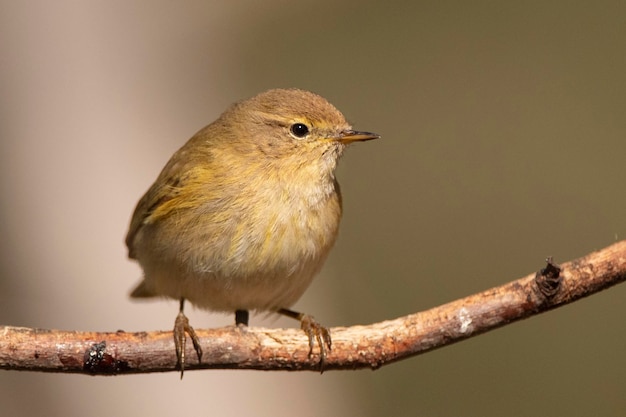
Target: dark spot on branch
[(98, 361), (549, 279)]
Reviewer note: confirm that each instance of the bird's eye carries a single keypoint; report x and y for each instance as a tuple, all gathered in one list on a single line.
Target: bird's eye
[(299, 130)]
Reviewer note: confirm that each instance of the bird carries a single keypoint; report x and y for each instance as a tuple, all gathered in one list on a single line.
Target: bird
[(244, 214)]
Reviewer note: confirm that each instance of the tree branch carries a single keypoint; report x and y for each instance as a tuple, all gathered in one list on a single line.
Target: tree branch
[(287, 349)]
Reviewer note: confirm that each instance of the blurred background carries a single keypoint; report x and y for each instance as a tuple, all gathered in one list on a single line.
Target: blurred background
[(504, 142)]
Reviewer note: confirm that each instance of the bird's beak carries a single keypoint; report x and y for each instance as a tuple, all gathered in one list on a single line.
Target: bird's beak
[(348, 136)]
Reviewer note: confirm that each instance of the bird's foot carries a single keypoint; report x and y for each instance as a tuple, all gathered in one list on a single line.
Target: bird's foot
[(315, 332), (181, 326)]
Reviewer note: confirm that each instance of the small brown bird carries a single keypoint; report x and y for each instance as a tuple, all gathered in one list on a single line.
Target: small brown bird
[(243, 216)]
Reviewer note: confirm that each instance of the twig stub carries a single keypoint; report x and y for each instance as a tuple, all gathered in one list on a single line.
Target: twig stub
[(549, 279)]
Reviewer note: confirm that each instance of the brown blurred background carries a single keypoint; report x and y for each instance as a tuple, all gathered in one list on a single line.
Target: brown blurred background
[(504, 141)]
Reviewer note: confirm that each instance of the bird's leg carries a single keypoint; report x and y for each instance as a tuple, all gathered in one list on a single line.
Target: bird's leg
[(314, 331), (181, 326), (241, 317)]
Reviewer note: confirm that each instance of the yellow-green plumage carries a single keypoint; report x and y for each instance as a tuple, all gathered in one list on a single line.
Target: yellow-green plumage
[(243, 216)]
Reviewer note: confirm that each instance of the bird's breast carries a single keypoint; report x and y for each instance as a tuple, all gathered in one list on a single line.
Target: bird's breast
[(289, 230)]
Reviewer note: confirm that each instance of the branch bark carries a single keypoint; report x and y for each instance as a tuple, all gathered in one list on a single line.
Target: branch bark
[(354, 347)]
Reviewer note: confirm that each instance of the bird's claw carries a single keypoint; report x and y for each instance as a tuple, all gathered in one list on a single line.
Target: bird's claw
[(181, 326), (316, 332)]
